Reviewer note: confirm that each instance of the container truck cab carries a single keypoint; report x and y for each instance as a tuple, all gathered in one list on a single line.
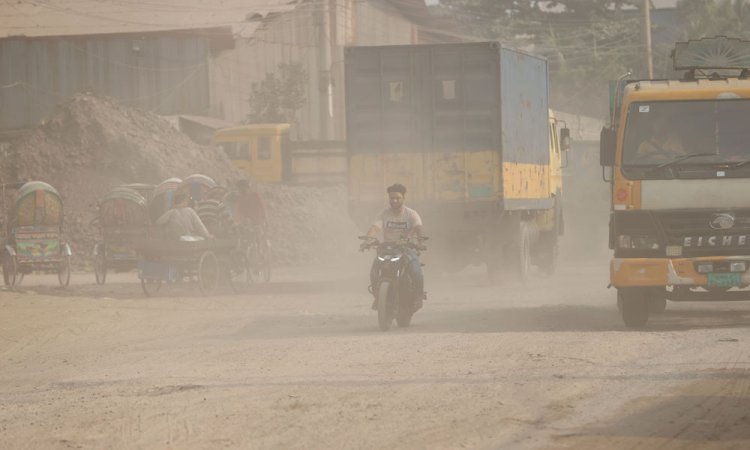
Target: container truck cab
[(679, 152)]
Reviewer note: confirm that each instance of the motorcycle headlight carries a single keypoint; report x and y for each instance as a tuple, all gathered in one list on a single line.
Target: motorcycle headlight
[(626, 241)]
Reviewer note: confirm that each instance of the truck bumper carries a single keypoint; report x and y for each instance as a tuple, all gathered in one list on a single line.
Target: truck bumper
[(632, 272)]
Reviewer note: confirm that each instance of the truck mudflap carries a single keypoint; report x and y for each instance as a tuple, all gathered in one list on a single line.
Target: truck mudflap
[(720, 272)]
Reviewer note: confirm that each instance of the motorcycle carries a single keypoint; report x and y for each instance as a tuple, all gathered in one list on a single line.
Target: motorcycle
[(393, 289)]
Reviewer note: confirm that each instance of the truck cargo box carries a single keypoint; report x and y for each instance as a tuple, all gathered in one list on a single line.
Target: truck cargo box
[(456, 123)]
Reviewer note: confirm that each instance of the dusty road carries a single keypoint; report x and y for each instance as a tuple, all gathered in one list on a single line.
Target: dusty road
[(300, 363)]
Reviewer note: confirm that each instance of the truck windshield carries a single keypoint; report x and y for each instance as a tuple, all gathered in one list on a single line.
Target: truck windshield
[(668, 133)]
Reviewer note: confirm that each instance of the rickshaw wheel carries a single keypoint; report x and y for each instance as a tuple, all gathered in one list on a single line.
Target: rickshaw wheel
[(63, 272), (10, 270), (260, 270), (150, 287), (208, 272), (100, 268), (239, 273)]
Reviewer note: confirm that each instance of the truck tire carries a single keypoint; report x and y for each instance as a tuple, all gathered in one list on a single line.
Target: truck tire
[(634, 306), (518, 253), (547, 253), (657, 303)]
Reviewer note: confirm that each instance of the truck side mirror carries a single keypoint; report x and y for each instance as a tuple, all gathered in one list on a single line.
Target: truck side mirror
[(607, 146), (565, 139)]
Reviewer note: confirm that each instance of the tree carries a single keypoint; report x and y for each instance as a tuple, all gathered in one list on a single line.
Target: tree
[(279, 96), (587, 42), (705, 18)]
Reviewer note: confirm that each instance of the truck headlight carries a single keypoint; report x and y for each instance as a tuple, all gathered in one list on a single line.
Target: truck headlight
[(627, 241)]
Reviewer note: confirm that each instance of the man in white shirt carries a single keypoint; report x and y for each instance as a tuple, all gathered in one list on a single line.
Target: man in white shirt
[(182, 222), (394, 224)]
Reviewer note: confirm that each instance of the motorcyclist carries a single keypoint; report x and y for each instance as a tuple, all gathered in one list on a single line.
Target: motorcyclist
[(394, 224)]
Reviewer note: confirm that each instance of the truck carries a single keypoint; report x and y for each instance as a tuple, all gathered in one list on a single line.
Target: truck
[(467, 128), (265, 153), (676, 154)]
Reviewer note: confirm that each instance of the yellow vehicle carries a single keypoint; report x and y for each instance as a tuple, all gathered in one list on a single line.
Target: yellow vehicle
[(266, 154), (678, 149), (256, 149), (467, 129)]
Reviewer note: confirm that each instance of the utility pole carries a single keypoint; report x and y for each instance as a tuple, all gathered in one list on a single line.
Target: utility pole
[(647, 36), (322, 22)]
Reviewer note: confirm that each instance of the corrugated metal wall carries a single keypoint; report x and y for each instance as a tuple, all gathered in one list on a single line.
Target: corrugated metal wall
[(293, 37), (165, 74)]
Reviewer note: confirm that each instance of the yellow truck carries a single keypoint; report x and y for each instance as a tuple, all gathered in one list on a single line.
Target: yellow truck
[(467, 129), (264, 152), (679, 153)]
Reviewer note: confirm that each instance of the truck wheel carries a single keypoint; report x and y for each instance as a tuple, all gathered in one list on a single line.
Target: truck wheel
[(519, 253), (547, 253), (634, 306), (657, 304)]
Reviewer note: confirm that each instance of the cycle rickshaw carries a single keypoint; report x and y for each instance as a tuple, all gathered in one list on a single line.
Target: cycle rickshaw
[(123, 217), (34, 238)]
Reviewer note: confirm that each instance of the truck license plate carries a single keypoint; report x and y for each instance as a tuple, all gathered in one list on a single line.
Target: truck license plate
[(724, 279)]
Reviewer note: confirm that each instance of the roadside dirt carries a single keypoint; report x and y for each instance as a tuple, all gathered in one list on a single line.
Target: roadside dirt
[(300, 363)]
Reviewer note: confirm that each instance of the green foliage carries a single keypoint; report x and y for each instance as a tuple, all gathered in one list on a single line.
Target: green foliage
[(587, 42), (704, 18), (278, 96)]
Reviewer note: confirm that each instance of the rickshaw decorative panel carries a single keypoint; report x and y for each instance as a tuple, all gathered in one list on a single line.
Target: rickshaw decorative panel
[(123, 208), (38, 204), (35, 249)]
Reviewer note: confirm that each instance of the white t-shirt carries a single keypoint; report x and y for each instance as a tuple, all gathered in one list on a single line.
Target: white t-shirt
[(395, 225)]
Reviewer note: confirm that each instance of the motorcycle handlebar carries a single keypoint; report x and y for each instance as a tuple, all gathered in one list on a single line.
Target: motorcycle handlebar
[(371, 242)]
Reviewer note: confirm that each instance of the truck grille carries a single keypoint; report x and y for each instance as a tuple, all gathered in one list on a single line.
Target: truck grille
[(706, 232)]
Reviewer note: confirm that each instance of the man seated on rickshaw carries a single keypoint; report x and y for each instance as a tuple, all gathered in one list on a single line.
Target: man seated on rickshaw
[(214, 213), (182, 222)]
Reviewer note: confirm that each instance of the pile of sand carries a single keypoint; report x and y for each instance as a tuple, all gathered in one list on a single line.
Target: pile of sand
[(92, 144)]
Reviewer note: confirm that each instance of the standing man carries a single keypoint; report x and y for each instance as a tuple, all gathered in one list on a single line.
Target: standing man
[(394, 224), (250, 206)]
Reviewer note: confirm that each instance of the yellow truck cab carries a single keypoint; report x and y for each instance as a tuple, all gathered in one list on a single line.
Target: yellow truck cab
[(680, 181), (256, 149)]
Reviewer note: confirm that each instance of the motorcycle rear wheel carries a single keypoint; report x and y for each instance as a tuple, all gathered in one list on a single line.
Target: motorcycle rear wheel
[(385, 318)]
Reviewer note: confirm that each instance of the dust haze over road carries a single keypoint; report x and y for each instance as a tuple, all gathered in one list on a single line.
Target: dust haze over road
[(300, 363)]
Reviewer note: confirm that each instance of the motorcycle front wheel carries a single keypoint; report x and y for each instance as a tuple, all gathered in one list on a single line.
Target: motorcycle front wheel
[(385, 318)]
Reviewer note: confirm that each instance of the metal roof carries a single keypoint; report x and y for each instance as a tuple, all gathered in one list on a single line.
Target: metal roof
[(87, 17)]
